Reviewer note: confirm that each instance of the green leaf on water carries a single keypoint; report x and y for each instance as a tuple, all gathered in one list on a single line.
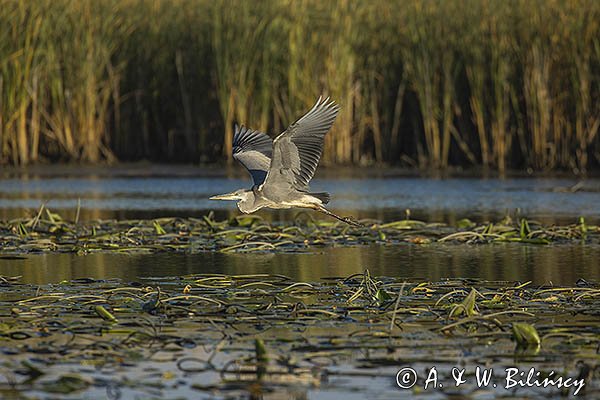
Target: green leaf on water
[(261, 350), (158, 229), (489, 228), (53, 217), (21, 230), (524, 229), (525, 334), (465, 223), (209, 221), (466, 307), (105, 314), (382, 296)]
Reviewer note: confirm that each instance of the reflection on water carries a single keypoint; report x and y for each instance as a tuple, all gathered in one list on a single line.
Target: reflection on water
[(183, 192), (560, 264)]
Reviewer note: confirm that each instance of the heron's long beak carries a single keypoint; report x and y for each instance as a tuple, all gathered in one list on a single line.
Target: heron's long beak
[(227, 196)]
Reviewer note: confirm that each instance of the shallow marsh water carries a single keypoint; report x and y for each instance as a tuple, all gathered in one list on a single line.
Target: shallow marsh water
[(560, 264), (266, 336), (159, 191), (337, 352)]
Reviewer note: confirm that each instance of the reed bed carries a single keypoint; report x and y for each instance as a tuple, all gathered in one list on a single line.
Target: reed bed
[(48, 232), (246, 334), (498, 84)]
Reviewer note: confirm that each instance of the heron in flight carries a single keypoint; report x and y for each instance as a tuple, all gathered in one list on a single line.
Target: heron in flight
[(282, 168)]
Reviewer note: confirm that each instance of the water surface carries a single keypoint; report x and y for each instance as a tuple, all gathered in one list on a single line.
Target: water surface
[(556, 264), (154, 191)]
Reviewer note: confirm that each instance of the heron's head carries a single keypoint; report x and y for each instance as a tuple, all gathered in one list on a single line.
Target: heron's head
[(245, 198)]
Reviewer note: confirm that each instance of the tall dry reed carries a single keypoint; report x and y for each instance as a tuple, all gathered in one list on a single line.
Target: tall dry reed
[(501, 84)]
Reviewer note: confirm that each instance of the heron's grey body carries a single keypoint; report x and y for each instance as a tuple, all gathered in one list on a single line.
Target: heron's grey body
[(253, 200), (282, 168)]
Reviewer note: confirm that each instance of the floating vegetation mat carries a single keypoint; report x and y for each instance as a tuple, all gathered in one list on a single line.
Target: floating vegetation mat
[(49, 232), (266, 335)]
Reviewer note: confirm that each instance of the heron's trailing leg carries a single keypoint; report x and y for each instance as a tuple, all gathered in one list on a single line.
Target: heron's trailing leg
[(348, 220)]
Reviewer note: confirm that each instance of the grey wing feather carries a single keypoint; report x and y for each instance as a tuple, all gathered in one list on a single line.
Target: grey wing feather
[(297, 151), (253, 149)]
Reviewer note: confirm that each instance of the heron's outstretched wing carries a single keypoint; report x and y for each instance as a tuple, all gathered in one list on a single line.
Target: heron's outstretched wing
[(253, 149), (296, 152)]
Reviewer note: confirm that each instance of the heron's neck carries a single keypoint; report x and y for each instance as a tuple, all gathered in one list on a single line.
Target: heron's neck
[(247, 204)]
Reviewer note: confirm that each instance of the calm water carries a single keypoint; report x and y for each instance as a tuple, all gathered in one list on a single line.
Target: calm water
[(560, 264), (153, 191)]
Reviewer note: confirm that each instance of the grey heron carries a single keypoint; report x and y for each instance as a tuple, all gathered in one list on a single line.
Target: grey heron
[(282, 168)]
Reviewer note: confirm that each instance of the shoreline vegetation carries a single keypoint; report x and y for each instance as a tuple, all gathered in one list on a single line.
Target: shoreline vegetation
[(423, 84)]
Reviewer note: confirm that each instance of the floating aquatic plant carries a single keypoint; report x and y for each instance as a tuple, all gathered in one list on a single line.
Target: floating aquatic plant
[(239, 333), (252, 234)]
